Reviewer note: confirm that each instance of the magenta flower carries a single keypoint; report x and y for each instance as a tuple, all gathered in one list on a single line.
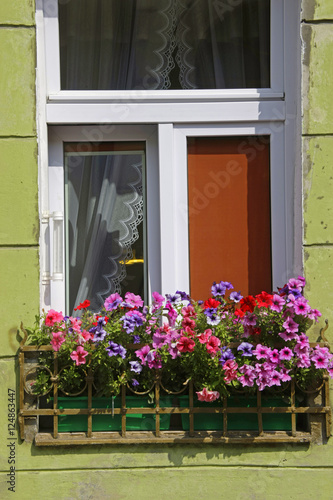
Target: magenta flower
[(142, 353), (79, 356), (290, 325), (58, 339), (248, 375), (112, 302), (277, 303), (172, 314), (288, 336), (284, 374), (154, 360), (303, 361), (274, 356), (158, 301), (286, 354), (53, 317), (262, 352), (249, 319), (208, 396), (314, 314), (321, 357), (132, 300), (301, 306)]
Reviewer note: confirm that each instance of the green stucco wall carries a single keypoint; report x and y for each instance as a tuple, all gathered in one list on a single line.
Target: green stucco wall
[(317, 129), (265, 472)]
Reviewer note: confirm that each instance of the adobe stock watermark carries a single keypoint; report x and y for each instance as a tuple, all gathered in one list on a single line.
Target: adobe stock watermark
[(217, 181)]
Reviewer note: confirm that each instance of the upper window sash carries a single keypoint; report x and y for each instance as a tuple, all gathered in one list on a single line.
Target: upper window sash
[(52, 63)]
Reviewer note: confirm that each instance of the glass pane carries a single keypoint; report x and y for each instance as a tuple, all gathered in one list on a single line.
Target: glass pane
[(165, 44), (105, 221), (229, 214)]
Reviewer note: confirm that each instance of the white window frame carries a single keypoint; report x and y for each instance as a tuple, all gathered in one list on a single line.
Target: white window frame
[(174, 116)]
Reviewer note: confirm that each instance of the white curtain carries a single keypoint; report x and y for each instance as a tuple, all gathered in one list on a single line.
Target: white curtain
[(164, 44), (104, 210)]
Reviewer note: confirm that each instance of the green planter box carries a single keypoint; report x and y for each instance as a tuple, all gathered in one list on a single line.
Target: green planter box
[(134, 422), (237, 421)]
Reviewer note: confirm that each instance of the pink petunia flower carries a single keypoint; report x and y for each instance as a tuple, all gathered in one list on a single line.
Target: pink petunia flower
[(262, 352), (132, 300), (58, 339), (277, 303), (158, 301), (53, 317), (79, 356), (205, 336), (286, 354), (301, 306), (142, 353), (290, 325), (208, 396), (213, 345), (230, 369)]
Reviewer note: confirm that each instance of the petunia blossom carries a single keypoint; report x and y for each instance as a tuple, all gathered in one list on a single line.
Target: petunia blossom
[(112, 302), (57, 340), (208, 396), (53, 317), (185, 344), (79, 356)]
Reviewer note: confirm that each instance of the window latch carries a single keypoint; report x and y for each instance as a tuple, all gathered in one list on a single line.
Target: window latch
[(55, 222)]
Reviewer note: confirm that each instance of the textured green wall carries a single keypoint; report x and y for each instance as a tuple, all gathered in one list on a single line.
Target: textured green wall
[(317, 34), (153, 472)]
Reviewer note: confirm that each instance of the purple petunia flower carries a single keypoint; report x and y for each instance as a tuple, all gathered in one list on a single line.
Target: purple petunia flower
[(116, 350), (135, 366), (183, 295), (226, 353), (173, 299), (245, 348), (132, 320), (236, 296), (212, 316), (219, 289), (112, 302)]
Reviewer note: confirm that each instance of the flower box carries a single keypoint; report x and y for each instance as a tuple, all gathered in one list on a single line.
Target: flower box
[(109, 422), (237, 421), (223, 347)]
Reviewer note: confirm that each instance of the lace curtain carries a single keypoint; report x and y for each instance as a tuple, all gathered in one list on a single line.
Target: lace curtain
[(164, 44), (104, 206)]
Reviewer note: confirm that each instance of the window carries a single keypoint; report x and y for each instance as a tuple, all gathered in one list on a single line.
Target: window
[(182, 44), (192, 86)]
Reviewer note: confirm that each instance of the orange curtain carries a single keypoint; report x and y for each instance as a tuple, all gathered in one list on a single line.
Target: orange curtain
[(229, 214)]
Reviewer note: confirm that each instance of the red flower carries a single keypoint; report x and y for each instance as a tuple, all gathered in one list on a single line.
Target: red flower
[(264, 299), (211, 303), (83, 305), (188, 323), (185, 344), (248, 303), (239, 313)]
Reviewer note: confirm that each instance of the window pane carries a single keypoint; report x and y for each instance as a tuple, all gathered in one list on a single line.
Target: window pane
[(229, 214), (165, 44), (105, 221)]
